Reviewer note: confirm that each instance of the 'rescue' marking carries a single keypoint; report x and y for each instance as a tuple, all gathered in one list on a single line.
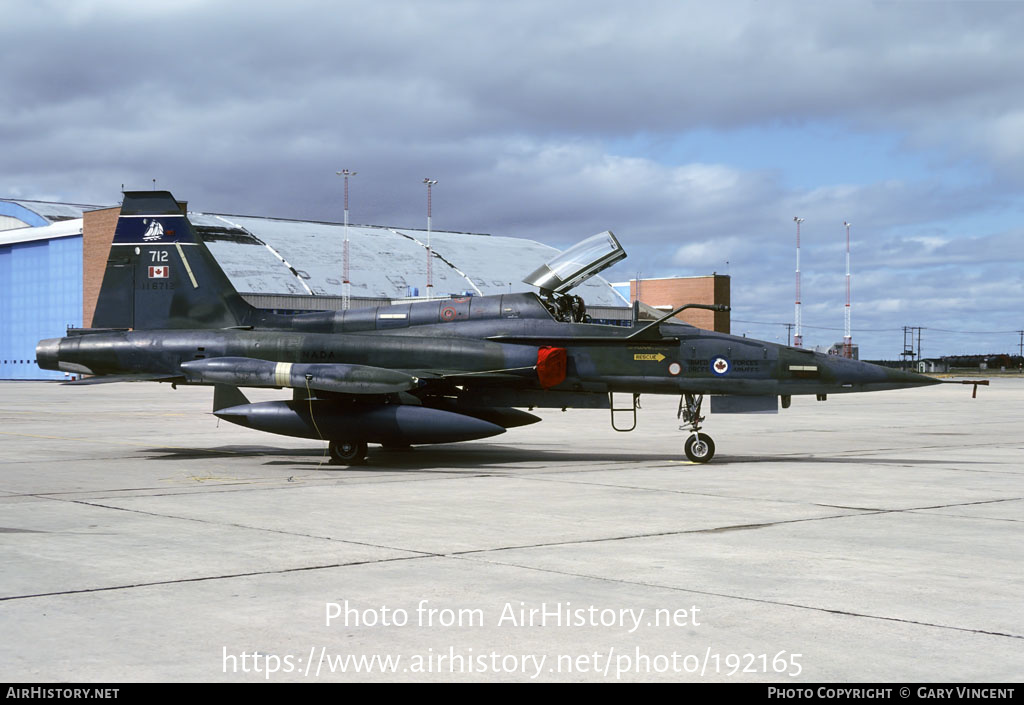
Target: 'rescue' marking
[(648, 356), (283, 374)]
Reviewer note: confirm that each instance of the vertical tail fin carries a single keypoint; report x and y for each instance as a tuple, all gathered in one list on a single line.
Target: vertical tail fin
[(160, 274)]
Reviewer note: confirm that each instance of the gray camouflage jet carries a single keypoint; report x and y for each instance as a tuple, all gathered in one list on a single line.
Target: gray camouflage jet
[(435, 371)]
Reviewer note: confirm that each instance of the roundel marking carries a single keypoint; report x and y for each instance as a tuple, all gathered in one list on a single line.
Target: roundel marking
[(675, 368), (720, 366), (447, 313)]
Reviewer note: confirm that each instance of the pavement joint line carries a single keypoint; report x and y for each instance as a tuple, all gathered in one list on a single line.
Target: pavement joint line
[(245, 526), (964, 504), (857, 512), (471, 554), (477, 555), (735, 527), (656, 534), (759, 600), (968, 516), (391, 475), (766, 499), (204, 578)]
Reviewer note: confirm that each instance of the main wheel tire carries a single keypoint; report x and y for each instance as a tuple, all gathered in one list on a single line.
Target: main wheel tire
[(347, 452), (700, 448)]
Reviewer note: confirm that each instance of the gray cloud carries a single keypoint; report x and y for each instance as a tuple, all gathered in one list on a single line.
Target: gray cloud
[(251, 107)]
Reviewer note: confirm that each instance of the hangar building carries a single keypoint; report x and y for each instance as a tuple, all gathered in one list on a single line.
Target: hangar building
[(40, 280)]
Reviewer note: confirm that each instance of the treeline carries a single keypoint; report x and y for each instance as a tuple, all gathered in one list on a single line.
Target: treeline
[(991, 361)]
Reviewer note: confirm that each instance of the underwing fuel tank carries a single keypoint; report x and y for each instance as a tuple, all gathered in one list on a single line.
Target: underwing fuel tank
[(398, 424), (346, 379)]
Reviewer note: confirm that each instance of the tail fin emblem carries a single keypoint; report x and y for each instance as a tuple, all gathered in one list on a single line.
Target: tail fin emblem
[(155, 232)]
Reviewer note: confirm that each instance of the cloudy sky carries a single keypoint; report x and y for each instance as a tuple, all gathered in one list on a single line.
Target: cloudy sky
[(695, 131)]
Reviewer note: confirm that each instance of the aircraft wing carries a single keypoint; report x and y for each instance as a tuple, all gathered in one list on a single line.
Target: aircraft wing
[(514, 374), (140, 377), (329, 377)]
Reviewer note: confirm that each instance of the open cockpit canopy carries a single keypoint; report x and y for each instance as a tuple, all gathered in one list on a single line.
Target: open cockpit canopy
[(572, 267)]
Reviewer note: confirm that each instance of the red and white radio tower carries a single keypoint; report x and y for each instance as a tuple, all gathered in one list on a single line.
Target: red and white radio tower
[(430, 265), (847, 337), (346, 285), (798, 338)]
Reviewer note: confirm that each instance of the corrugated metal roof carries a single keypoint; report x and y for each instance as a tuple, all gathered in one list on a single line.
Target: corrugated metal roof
[(54, 212), (260, 254), (274, 256)]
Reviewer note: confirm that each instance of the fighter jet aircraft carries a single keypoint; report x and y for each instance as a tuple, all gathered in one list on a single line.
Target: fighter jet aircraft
[(434, 371)]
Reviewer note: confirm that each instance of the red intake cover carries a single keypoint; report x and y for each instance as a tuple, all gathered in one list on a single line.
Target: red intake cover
[(551, 366)]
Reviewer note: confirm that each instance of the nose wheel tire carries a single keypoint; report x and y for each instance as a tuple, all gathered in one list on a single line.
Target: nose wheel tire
[(347, 452), (699, 448)]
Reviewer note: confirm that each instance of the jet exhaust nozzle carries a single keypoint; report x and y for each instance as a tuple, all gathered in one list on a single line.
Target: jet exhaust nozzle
[(48, 354)]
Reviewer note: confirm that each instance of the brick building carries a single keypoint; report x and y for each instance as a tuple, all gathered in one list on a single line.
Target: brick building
[(669, 293)]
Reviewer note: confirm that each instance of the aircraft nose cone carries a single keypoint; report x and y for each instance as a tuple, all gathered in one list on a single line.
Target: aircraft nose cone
[(876, 377), (909, 379), (48, 353)]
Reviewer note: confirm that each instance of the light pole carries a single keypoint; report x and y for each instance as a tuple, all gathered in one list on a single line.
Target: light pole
[(798, 338), (847, 335), (430, 257), (345, 285)]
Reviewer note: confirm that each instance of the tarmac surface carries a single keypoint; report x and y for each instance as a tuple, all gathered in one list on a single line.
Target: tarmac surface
[(873, 537)]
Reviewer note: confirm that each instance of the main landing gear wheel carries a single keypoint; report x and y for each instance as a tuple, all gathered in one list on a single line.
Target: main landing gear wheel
[(700, 448), (347, 452)]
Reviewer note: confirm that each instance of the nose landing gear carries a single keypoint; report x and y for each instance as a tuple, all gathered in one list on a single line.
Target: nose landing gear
[(699, 447)]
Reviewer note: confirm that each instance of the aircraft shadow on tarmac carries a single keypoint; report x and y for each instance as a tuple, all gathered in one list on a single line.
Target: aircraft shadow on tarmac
[(453, 457), (462, 457)]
